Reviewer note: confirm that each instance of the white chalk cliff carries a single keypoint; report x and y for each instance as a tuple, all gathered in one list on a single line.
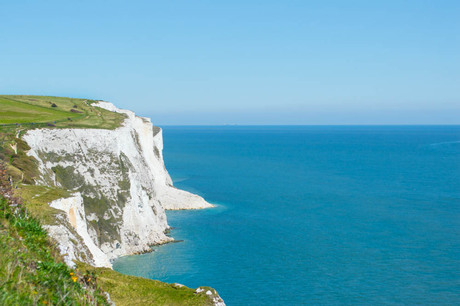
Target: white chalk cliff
[(119, 184)]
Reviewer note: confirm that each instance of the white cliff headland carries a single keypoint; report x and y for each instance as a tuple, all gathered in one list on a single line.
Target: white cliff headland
[(119, 184)]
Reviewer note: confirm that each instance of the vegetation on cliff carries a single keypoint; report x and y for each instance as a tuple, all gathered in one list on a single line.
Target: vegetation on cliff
[(31, 269), (21, 113)]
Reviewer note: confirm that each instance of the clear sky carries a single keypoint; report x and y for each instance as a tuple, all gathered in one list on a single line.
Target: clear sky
[(241, 62)]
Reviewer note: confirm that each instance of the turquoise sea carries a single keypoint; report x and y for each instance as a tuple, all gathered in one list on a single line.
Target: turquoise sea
[(314, 214)]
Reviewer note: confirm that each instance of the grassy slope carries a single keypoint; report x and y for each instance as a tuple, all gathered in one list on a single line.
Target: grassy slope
[(132, 290), (32, 272), (17, 115), (32, 111), (36, 199), (31, 269), (12, 111)]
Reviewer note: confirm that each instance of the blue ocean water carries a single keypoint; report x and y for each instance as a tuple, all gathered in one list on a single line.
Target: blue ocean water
[(314, 215)]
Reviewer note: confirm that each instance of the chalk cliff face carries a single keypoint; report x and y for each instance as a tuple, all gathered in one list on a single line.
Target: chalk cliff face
[(119, 183)]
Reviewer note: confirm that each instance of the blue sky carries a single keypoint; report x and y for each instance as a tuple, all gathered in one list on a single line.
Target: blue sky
[(241, 62)]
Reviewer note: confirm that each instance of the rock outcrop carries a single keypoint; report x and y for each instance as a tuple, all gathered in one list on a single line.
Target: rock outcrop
[(120, 187)]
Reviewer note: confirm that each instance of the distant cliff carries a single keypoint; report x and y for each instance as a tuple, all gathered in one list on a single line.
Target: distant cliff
[(119, 184)]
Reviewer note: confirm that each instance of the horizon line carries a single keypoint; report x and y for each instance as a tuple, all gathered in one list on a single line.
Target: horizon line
[(255, 125)]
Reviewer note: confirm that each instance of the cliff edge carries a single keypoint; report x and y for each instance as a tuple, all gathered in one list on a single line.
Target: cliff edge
[(119, 184), (91, 177)]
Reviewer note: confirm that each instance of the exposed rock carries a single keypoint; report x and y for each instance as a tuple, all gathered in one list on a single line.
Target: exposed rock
[(119, 182), (120, 190), (74, 209), (211, 294)]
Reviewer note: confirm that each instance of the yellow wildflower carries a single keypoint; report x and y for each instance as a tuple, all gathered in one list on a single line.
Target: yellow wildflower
[(74, 278)]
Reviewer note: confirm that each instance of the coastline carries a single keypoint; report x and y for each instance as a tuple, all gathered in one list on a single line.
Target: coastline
[(95, 178)]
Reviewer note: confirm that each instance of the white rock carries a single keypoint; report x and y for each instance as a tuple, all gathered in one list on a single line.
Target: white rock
[(74, 209), (212, 295), (170, 197), (199, 289), (121, 187)]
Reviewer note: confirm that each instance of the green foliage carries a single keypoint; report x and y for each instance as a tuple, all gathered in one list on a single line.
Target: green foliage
[(106, 230), (20, 166), (37, 199), (26, 165), (67, 177)]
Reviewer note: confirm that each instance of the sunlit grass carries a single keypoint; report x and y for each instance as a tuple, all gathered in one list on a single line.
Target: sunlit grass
[(132, 290), (25, 112), (31, 269)]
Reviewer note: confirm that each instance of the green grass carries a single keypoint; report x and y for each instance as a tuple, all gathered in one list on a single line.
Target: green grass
[(20, 166), (12, 111), (38, 111), (37, 199), (132, 290), (31, 269)]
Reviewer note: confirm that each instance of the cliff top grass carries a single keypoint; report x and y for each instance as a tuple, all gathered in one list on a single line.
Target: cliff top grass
[(19, 113), (24, 112)]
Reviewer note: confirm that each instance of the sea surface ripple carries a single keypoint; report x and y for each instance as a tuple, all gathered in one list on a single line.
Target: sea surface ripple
[(314, 215)]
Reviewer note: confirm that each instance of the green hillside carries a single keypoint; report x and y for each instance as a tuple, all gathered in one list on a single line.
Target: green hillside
[(31, 269), (40, 111)]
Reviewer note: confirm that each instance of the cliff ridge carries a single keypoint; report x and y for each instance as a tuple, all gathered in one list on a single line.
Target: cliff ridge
[(119, 184)]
